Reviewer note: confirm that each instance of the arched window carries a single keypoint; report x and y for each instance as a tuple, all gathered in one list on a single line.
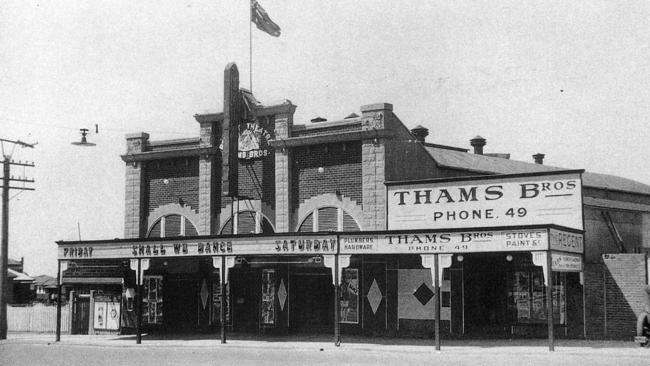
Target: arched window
[(172, 225), (328, 219), (248, 222)]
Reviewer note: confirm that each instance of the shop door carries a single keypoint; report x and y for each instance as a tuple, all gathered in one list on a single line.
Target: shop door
[(181, 304), (311, 300), (245, 287), (374, 298), (457, 302), (80, 315)]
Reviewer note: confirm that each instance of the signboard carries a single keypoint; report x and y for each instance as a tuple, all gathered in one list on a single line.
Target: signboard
[(253, 141), (294, 244), (566, 241), (445, 242), (490, 202), (561, 262)]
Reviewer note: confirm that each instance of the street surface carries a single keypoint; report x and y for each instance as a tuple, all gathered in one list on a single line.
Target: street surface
[(104, 350)]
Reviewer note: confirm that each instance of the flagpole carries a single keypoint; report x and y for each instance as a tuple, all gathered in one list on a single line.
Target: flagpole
[(250, 46)]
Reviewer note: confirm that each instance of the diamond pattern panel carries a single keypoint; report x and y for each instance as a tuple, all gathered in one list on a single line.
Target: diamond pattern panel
[(204, 294), (374, 296), (423, 294), (282, 294)]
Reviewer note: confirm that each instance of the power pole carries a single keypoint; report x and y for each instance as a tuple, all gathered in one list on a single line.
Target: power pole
[(7, 162)]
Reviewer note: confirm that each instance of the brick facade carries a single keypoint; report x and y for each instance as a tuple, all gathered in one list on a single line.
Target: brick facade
[(625, 297), (309, 169)]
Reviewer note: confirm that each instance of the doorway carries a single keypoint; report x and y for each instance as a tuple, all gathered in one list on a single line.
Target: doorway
[(311, 300)]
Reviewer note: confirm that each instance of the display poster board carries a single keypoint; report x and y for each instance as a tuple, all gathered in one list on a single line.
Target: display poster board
[(106, 315), (267, 316), (349, 296), (152, 307), (216, 300), (487, 202)]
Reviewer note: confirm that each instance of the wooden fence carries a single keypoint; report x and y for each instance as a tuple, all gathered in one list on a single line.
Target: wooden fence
[(37, 318)]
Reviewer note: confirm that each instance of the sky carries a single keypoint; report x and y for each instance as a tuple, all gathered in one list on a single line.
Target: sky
[(569, 79)]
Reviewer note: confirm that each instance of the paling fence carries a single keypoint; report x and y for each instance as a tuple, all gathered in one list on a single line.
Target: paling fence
[(37, 318)]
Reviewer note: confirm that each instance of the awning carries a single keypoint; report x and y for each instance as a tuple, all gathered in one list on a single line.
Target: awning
[(94, 280)]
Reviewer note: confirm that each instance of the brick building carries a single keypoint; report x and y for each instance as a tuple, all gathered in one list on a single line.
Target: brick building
[(281, 211)]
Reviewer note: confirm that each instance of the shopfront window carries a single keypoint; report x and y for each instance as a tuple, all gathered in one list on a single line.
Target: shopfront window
[(527, 297)]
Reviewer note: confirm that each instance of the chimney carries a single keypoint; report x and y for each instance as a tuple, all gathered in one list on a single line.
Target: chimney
[(478, 142), (420, 133), (539, 158)]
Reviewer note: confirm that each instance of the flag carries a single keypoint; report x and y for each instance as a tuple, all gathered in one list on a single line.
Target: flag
[(262, 20)]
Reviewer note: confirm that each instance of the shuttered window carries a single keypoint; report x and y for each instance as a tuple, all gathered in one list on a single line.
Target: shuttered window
[(328, 219), (348, 223), (190, 230), (155, 230), (307, 225), (172, 225), (246, 224)]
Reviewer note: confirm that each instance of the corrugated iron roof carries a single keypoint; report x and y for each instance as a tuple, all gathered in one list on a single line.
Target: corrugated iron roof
[(493, 165), (19, 276), (45, 280)]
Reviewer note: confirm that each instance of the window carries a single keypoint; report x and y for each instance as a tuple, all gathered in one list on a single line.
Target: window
[(172, 225), (248, 222), (328, 219)]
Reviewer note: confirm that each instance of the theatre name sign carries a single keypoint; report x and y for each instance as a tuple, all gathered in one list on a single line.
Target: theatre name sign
[(491, 201)]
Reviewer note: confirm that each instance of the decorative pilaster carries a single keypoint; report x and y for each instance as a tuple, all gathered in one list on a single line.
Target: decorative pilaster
[(373, 166), (283, 126), (134, 217), (209, 180)]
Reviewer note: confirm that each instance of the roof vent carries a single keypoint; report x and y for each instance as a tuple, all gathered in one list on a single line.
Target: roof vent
[(318, 119), (539, 158), (351, 115), (478, 142), (420, 132)]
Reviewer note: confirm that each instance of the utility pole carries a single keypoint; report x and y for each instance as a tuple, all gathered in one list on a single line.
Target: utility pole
[(7, 162)]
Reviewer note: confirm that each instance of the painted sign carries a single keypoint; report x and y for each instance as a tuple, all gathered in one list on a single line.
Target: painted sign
[(298, 244), (522, 200), (566, 241), (253, 141), (445, 242), (561, 262)]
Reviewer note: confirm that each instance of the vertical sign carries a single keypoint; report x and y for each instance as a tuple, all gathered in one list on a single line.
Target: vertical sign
[(230, 132)]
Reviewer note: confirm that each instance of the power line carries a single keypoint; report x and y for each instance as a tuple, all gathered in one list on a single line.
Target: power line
[(54, 125)]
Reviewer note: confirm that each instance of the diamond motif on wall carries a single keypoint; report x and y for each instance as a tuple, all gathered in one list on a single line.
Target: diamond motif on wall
[(423, 294), (374, 296), (204, 294), (282, 294)]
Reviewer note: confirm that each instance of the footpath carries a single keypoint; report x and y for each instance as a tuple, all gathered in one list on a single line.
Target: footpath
[(320, 342)]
